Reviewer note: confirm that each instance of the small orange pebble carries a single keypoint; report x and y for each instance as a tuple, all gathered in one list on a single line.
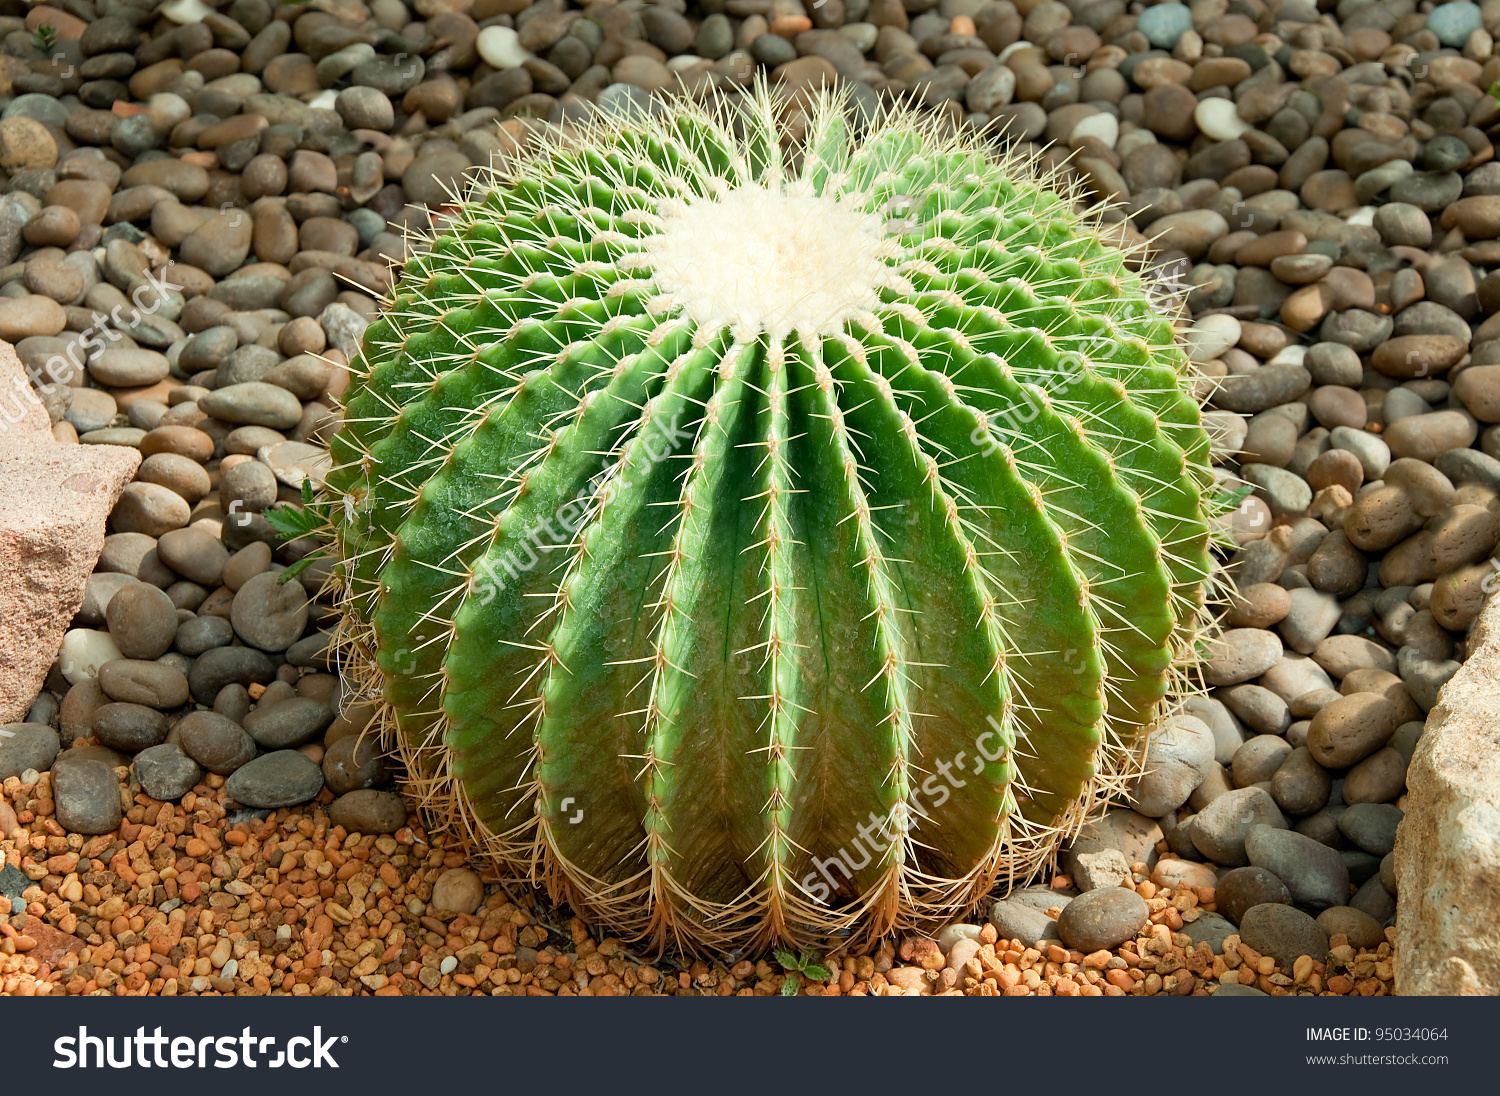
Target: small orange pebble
[(961, 24), (122, 109), (256, 690), (206, 160), (69, 28), (789, 26)]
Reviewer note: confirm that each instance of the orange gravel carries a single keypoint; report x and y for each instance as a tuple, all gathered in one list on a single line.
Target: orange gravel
[(180, 902)]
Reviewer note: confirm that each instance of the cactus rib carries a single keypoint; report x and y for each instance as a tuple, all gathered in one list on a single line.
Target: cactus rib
[(757, 540)]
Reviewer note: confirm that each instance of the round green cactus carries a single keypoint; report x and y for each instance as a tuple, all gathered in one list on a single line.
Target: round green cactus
[(756, 538)]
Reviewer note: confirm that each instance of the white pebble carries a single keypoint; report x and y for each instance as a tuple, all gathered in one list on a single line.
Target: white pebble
[(1211, 336), (230, 968), (1373, 453), (501, 48), (324, 100), (1364, 215), (448, 965), (1102, 127), (1289, 355), (1227, 430), (84, 650), (682, 61), (168, 109), (1219, 119), (182, 12)]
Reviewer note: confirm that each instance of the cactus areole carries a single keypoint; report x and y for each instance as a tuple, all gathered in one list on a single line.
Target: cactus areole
[(759, 536)]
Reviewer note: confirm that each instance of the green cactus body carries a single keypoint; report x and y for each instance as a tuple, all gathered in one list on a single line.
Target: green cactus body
[(756, 544)]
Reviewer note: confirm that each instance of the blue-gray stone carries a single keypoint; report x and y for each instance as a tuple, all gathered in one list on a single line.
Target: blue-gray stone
[(1210, 928), (367, 223), (165, 772), (13, 882), (626, 101), (26, 746), (1165, 23), (1239, 991), (41, 108), (274, 780), (1453, 23)]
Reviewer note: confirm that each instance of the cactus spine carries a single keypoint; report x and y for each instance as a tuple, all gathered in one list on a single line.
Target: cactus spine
[(756, 539)]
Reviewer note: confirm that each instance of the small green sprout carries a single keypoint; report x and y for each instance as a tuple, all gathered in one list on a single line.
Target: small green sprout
[(311, 519), (798, 966)]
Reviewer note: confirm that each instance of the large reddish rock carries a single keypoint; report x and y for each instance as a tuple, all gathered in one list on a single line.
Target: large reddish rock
[(54, 501), (1448, 845), (49, 945)]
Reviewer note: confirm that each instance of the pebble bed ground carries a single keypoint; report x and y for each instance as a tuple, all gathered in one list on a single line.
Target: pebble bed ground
[(187, 808)]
